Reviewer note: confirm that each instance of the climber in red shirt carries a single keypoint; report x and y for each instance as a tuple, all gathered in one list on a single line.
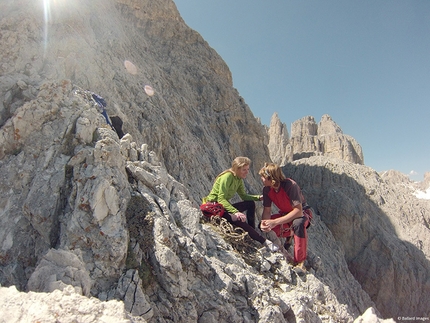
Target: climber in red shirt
[(291, 220)]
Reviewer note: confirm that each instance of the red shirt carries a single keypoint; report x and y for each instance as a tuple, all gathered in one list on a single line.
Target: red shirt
[(288, 196)]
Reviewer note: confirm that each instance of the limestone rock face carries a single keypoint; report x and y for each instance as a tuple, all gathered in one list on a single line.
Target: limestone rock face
[(311, 139), (381, 225), (65, 306), (304, 138), (425, 184), (370, 317), (125, 229), (278, 146), (116, 47), (333, 143), (102, 224)]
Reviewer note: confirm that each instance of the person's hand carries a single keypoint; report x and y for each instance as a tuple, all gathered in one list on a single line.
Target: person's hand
[(239, 217), (266, 225)]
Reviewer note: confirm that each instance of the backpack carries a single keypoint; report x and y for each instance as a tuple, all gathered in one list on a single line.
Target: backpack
[(99, 100)]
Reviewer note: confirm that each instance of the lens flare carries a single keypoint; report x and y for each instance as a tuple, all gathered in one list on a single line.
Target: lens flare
[(47, 18), (55, 12), (149, 90), (130, 67)]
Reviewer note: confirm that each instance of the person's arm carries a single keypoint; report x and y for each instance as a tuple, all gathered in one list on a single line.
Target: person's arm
[(267, 212), (245, 196), (265, 217), (296, 212), (267, 206)]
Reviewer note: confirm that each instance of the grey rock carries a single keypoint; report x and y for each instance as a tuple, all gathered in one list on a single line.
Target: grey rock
[(59, 269), (381, 226), (370, 316), (279, 148), (65, 306), (311, 139), (113, 215), (130, 290)]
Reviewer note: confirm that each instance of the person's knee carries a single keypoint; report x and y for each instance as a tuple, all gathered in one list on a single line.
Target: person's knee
[(299, 226), (251, 205), (250, 208), (300, 222)]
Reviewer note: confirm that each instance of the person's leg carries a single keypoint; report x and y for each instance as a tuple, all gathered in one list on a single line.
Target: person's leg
[(283, 231), (245, 226), (249, 207), (300, 239), (288, 242)]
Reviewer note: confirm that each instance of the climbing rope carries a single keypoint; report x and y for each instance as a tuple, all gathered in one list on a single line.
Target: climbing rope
[(239, 240), (231, 233)]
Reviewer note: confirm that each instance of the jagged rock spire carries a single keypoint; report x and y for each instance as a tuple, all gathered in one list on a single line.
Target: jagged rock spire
[(311, 139), (278, 141)]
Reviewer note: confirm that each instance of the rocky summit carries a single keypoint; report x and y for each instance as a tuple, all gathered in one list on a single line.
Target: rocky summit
[(115, 118), (311, 139)]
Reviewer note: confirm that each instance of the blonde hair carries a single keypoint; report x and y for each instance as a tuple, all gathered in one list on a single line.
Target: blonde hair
[(237, 163), (272, 172)]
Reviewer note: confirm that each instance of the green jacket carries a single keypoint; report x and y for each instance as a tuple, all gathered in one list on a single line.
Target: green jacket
[(225, 187)]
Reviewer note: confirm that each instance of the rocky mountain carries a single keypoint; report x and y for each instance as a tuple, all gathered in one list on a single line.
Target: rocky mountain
[(122, 228), (101, 223), (311, 139), (382, 227), (115, 48), (280, 149)]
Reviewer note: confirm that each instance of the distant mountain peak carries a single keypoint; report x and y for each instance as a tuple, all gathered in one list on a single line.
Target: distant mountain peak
[(311, 139)]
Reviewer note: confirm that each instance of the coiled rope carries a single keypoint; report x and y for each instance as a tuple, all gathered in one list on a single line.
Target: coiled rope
[(230, 232)]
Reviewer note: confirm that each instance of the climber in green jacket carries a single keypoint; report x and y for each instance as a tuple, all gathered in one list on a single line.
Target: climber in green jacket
[(226, 185)]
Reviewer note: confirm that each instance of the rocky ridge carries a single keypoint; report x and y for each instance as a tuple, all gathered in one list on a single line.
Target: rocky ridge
[(95, 43), (117, 217), (383, 229), (128, 231)]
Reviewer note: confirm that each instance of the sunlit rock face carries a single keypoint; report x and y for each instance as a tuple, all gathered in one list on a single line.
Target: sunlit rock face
[(311, 139), (164, 82), (100, 216), (279, 142), (111, 212)]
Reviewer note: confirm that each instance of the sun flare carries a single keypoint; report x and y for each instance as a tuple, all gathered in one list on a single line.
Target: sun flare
[(54, 11)]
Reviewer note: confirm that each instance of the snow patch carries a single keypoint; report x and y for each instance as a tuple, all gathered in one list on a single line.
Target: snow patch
[(424, 195)]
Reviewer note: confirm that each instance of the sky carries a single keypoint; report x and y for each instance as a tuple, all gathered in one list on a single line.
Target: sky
[(365, 63)]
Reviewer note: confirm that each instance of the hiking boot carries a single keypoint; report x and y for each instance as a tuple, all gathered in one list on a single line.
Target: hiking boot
[(300, 269), (270, 246)]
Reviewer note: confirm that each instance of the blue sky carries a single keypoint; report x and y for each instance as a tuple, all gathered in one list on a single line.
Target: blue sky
[(365, 63)]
